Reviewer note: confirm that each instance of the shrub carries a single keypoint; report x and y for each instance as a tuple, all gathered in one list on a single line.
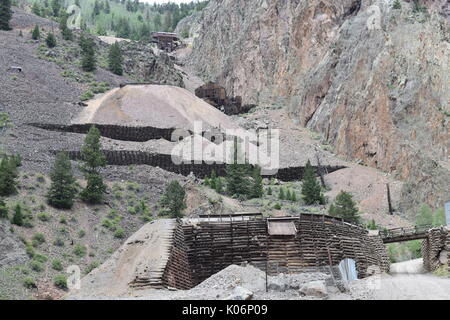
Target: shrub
[(38, 238), (277, 206), (3, 210), (79, 250), (269, 191), (119, 233), (40, 258), (81, 233), (29, 283), (36, 34), (60, 281), (36, 266), (59, 242), (397, 4), (57, 265), (18, 216), (43, 216), (91, 266)]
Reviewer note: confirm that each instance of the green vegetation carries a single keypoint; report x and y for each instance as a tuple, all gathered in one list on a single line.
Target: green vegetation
[(57, 265), (344, 207), (50, 40), (8, 175), (173, 200), (79, 250), (397, 4), (60, 281), (29, 283), (65, 31), (5, 122), (88, 60), (38, 239), (18, 216), (36, 34), (62, 189), (3, 210), (93, 159), (311, 189), (115, 59), (5, 14), (372, 225)]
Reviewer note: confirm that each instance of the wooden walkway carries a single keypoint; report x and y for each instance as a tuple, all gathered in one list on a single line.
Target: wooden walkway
[(405, 234)]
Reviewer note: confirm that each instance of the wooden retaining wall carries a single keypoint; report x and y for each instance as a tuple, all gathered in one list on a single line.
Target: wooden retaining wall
[(212, 246), (200, 170)]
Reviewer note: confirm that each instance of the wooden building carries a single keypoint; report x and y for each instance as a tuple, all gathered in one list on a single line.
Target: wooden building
[(166, 41)]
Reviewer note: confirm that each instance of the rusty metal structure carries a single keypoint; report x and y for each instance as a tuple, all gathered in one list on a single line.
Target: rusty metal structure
[(216, 96), (166, 41)]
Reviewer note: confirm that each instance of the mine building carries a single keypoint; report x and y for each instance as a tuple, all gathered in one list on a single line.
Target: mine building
[(166, 41)]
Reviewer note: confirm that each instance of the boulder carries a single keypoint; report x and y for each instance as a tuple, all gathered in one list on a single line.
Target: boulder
[(314, 289)]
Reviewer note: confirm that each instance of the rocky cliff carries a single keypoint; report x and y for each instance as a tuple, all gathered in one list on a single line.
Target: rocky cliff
[(372, 78)]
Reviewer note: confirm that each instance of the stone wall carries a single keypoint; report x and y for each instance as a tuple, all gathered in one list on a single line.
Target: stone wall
[(438, 240)]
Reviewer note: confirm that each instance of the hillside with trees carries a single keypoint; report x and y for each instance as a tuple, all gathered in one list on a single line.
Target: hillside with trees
[(121, 18)]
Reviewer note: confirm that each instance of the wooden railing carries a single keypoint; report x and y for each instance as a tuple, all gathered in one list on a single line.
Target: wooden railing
[(405, 234)]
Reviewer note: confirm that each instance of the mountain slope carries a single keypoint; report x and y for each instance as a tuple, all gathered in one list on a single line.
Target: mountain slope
[(377, 94)]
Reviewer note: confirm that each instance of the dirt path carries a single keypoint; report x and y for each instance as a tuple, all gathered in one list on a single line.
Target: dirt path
[(413, 287)]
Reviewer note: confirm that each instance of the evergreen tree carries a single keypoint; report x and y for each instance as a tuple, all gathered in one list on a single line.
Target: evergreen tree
[(36, 34), (293, 196), (5, 14), (56, 7), (96, 8), (115, 59), (257, 188), (18, 216), (93, 159), (311, 189), (344, 207), (36, 9), (8, 176), (212, 181), (62, 190), (174, 199), (65, 31), (237, 175), (269, 191), (107, 8), (50, 40), (88, 61), (3, 210)]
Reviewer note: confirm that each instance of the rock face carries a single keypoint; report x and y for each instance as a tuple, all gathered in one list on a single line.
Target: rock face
[(12, 251), (140, 60), (373, 80)]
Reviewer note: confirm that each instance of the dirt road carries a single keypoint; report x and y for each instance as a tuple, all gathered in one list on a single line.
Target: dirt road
[(412, 287)]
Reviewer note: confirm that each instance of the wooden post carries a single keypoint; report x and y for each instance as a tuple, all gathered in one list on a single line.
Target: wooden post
[(391, 211)]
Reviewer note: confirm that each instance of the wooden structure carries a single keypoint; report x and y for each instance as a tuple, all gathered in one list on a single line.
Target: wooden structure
[(166, 41), (216, 96), (405, 234)]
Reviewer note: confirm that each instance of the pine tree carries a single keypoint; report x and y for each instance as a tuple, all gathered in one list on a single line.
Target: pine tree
[(3, 210), (62, 190), (88, 61), (115, 59), (237, 175), (93, 159), (18, 216), (107, 8), (344, 207), (269, 191), (293, 196), (56, 7), (50, 40), (65, 31), (257, 188), (96, 8), (174, 199), (212, 181), (8, 176), (36, 34), (311, 189), (36, 9), (5, 14)]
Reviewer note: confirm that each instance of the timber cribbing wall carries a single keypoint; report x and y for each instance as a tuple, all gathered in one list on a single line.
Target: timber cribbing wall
[(438, 240), (212, 246), (200, 170), (177, 273), (117, 132)]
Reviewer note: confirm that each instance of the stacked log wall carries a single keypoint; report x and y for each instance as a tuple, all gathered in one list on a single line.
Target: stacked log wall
[(200, 170), (320, 240), (436, 241)]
